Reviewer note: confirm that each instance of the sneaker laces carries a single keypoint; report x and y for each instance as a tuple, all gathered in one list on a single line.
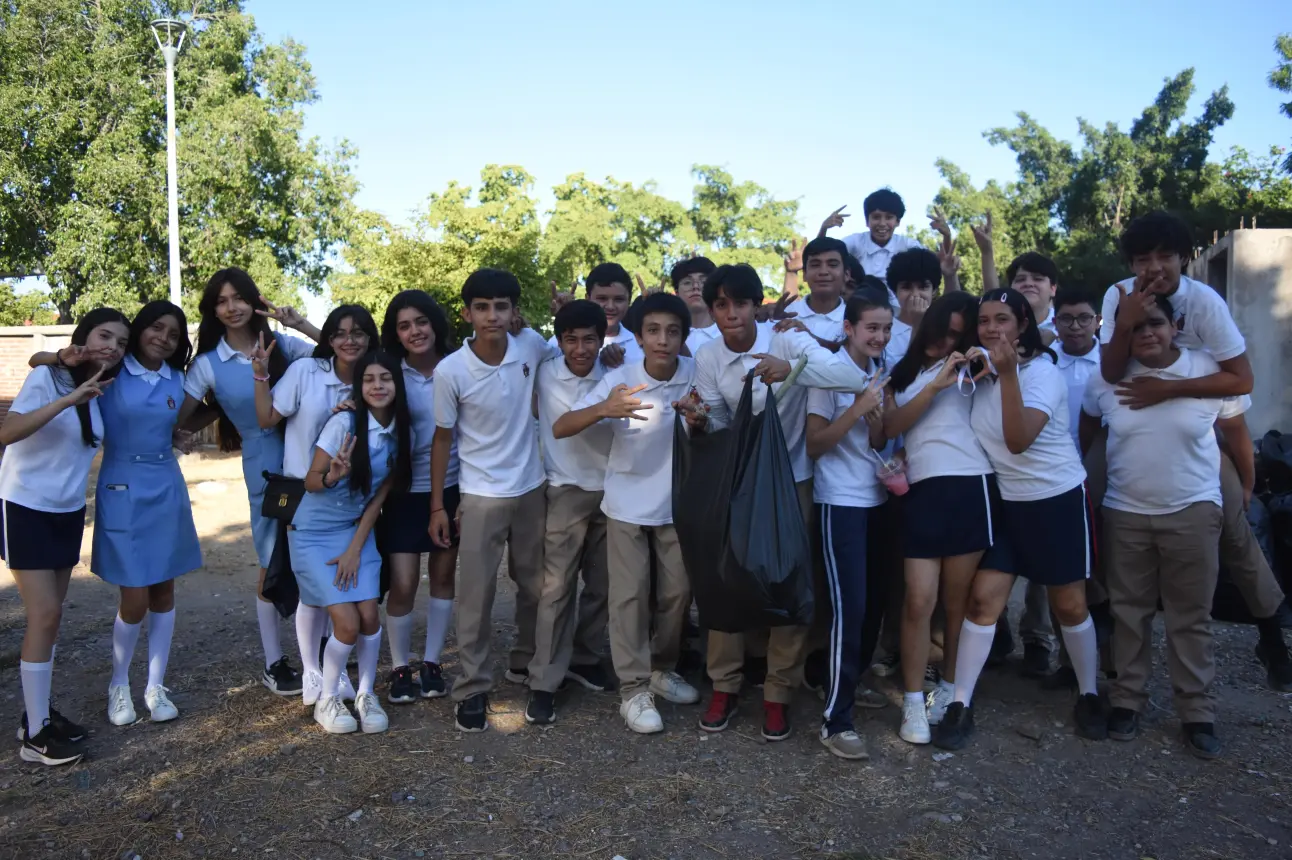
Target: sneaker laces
[(368, 702), (118, 699), (640, 703)]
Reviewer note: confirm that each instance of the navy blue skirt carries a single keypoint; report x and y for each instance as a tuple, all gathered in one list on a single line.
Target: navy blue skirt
[(40, 540), (1048, 541), (949, 516)]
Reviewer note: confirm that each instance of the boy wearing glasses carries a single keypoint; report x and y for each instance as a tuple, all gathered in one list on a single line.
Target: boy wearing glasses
[(1076, 322)]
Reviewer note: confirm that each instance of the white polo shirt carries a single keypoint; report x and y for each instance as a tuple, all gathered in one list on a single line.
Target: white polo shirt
[(491, 408), (844, 475), (306, 395), (1050, 466), (199, 380), (698, 337), (421, 409), (579, 460), (1165, 457), (333, 434), (941, 443), (48, 471), (639, 470), (875, 258), (898, 343), (720, 379), (1077, 371), (827, 326), (1202, 320)]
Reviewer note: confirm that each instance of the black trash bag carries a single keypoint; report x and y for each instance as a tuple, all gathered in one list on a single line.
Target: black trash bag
[(280, 582), (1274, 463), (1228, 603), (737, 515)]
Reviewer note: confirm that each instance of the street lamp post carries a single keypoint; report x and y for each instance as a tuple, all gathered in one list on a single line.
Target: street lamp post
[(170, 38)]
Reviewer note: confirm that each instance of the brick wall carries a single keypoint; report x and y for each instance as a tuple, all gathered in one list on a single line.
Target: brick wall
[(17, 343)]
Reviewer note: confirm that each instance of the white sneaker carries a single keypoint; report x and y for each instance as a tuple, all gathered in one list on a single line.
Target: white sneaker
[(335, 718), (345, 688), (159, 704), (121, 711), (372, 719), (672, 687), (915, 723), (938, 701), (311, 688), (640, 714)]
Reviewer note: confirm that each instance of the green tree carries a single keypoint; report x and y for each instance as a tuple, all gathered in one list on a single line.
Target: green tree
[(740, 222), (29, 308), (1281, 79), (82, 152)]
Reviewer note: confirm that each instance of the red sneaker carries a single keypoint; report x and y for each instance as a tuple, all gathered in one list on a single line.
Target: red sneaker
[(776, 721), (719, 712)]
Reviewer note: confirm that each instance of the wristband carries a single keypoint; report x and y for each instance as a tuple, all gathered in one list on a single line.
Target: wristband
[(436, 510), (259, 378)]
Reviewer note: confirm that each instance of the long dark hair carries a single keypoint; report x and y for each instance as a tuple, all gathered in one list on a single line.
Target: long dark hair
[(932, 330), (210, 330), (421, 301), (148, 315), (360, 316), (1029, 336), (82, 372), (360, 465)]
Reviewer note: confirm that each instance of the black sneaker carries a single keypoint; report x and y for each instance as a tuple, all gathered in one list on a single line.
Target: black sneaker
[(1123, 724), (956, 728), (1036, 660), (432, 678), (755, 671), (1062, 678), (62, 727), (1201, 740), (816, 673), (517, 676), (1278, 665), (48, 749), (541, 709), (472, 714), (590, 677), (690, 661), (1091, 717), (401, 690), (282, 679), (1002, 645)]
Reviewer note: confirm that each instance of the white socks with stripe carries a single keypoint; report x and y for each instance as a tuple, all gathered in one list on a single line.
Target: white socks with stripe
[(1083, 651)]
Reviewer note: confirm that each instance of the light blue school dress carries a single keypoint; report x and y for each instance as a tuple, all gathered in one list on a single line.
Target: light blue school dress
[(143, 519), (262, 449), (325, 522)]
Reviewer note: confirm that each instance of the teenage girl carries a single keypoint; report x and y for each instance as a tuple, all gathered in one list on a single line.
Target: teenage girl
[(843, 429), (306, 396), (1020, 417), (359, 458), (947, 521), (416, 332), (50, 437), (234, 316)]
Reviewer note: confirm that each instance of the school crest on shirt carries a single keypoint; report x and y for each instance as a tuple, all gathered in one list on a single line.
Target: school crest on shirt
[(170, 402), (524, 368)]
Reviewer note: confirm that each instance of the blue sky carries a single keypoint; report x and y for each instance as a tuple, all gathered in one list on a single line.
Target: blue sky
[(818, 101)]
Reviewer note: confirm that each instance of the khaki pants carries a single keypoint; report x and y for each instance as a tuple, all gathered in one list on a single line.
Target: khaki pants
[(1175, 558), (487, 525), (633, 649), (786, 646), (1240, 552), (575, 541)]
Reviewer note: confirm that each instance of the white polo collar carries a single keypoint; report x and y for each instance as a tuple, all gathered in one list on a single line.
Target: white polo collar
[(136, 369), (375, 429), (803, 310), (563, 372), (762, 343), (478, 368), (1066, 359)]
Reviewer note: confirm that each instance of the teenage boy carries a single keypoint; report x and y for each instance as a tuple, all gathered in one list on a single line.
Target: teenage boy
[(568, 637), (733, 293), (825, 263), (1157, 247), (1076, 320), (485, 391), (876, 247), (637, 402), (1037, 278), (610, 287), (915, 277), (688, 282)]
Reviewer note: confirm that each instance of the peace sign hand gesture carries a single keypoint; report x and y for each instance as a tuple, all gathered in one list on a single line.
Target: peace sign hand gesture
[(835, 219), (259, 355), (75, 356), (288, 316), (89, 389), (870, 403), (622, 404), (982, 233), (794, 259), (560, 298), (340, 465)]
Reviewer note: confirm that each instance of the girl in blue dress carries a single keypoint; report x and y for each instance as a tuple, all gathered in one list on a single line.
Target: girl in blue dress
[(234, 316), (360, 457), (50, 437), (144, 537)]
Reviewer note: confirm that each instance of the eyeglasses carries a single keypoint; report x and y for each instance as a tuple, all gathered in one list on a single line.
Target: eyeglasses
[(1067, 320), (354, 336)]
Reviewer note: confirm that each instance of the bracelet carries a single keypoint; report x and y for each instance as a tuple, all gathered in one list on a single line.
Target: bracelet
[(58, 359), (436, 510), (259, 378)]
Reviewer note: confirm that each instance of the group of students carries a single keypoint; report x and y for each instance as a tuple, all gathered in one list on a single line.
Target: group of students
[(942, 445)]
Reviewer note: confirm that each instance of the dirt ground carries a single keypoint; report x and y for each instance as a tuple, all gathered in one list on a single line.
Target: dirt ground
[(243, 773)]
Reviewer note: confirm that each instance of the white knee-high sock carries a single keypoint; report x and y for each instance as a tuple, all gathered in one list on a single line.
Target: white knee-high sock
[(124, 637), (37, 678), (1083, 651), (267, 616), (307, 637), (975, 646), (399, 629), (369, 648), (161, 629), (439, 612), (335, 657)]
